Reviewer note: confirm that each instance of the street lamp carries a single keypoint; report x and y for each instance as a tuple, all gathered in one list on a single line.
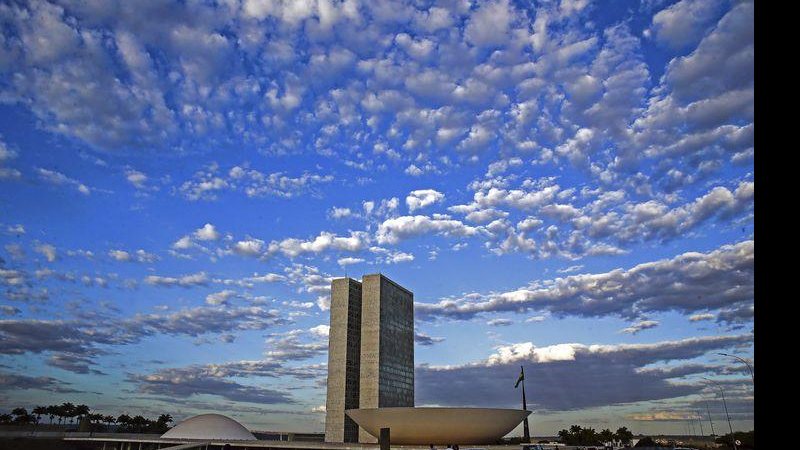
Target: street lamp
[(745, 363), (728, 416), (708, 410)]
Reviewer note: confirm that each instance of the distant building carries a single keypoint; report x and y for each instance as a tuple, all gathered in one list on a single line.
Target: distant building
[(370, 352)]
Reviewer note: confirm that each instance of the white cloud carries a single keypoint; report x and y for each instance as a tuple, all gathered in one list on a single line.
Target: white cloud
[(701, 317), (136, 178), (399, 257), (394, 230), (640, 326), (249, 247), (349, 261), (15, 229), (266, 278), (423, 197), (489, 25), (183, 243), (499, 322), (207, 233), (139, 255), (684, 22), (320, 330), (58, 178), (325, 241), (197, 279), (120, 255), (6, 154), (688, 283), (324, 303), (221, 297), (413, 170), (339, 213), (48, 251)]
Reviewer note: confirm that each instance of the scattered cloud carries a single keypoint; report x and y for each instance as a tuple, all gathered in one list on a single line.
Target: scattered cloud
[(59, 179), (421, 198), (688, 283), (640, 326), (197, 279)]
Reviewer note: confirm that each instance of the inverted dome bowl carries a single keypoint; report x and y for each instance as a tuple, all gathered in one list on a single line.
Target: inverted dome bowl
[(423, 426)]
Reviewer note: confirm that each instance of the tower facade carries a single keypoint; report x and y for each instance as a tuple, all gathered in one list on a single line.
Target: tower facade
[(344, 348), (370, 352), (387, 346)]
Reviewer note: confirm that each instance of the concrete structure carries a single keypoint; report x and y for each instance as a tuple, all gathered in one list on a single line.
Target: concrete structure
[(209, 427), (370, 352), (439, 426), (344, 350), (387, 346)]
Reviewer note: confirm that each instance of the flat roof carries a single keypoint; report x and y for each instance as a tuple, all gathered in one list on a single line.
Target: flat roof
[(394, 283), (389, 280)]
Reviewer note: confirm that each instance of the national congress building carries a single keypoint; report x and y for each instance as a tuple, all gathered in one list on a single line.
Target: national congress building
[(370, 352)]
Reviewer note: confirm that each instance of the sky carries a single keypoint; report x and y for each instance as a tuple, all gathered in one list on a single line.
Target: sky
[(564, 185)]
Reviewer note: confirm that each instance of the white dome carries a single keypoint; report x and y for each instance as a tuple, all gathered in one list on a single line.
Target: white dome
[(209, 426)]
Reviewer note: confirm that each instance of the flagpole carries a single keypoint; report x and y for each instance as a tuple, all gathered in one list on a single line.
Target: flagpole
[(527, 436)]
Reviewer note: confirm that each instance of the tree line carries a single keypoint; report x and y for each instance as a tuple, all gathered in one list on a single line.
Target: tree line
[(577, 435), (68, 413)]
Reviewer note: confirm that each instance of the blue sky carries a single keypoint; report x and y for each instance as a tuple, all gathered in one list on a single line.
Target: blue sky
[(565, 185)]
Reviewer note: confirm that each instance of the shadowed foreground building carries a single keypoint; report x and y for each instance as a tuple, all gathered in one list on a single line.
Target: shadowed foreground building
[(370, 352)]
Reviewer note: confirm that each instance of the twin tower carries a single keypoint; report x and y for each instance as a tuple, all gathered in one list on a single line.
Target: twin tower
[(370, 352)]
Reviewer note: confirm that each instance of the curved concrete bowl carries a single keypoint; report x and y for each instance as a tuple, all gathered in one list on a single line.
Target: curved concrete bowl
[(440, 426)]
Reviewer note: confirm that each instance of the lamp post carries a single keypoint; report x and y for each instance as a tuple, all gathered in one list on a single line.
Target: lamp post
[(749, 367), (526, 431), (526, 438), (700, 422), (708, 410), (724, 404)]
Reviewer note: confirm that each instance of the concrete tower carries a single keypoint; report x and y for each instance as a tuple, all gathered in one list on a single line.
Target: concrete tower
[(344, 348), (370, 352), (387, 346)]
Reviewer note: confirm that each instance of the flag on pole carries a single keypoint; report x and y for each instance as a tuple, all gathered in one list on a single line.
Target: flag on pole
[(521, 377)]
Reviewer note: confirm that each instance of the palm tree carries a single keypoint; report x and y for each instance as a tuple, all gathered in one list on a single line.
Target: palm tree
[(58, 411), (21, 416), (139, 422), (624, 435), (94, 419), (68, 410), (563, 435), (607, 436), (124, 421), (161, 424), (39, 411), (81, 410), (62, 414), (164, 418), (109, 420), (51, 411)]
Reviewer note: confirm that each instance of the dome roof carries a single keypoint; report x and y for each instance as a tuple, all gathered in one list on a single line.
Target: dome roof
[(209, 426)]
